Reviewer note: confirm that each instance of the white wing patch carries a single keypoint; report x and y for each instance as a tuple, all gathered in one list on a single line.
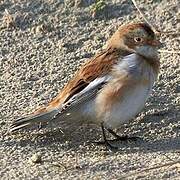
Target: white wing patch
[(94, 84), (84, 96)]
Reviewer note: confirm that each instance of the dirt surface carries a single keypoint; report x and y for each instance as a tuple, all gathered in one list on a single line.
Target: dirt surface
[(42, 43)]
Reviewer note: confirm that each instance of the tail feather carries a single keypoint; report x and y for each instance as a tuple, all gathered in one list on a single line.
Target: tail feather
[(33, 119)]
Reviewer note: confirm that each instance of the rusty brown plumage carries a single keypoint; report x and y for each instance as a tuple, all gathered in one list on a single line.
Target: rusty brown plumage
[(98, 66)]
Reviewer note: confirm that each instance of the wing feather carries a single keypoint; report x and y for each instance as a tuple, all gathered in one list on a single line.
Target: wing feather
[(86, 94), (96, 67)]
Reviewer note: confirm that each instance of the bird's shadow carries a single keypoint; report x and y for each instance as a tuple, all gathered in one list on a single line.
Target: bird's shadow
[(86, 136)]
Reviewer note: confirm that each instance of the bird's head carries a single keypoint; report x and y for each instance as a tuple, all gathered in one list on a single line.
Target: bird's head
[(138, 38)]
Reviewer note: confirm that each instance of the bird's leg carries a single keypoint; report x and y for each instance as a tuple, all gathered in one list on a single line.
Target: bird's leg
[(108, 145), (121, 138), (41, 125)]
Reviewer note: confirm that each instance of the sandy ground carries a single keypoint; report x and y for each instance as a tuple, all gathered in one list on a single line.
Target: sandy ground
[(39, 51)]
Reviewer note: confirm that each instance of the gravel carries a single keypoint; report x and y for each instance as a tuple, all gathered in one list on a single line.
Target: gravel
[(42, 43)]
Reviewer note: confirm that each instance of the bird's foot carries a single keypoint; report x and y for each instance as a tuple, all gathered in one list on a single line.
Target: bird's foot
[(125, 138), (117, 139), (122, 138)]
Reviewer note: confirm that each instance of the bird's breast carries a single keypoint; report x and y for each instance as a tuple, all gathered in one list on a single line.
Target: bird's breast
[(126, 94)]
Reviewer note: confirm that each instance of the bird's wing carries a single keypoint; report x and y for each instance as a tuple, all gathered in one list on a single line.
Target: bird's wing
[(85, 85), (96, 67), (85, 95), (53, 114)]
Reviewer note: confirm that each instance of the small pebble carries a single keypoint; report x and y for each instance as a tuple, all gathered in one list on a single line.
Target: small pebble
[(36, 158)]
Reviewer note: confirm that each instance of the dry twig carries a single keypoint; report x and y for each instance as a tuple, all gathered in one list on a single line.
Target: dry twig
[(145, 19), (157, 31)]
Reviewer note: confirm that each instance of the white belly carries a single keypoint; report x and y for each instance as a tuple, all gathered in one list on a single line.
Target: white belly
[(132, 103)]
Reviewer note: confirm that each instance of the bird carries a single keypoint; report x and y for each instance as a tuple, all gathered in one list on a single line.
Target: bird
[(109, 89)]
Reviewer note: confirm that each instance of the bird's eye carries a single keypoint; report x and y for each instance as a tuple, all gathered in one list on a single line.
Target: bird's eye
[(138, 39)]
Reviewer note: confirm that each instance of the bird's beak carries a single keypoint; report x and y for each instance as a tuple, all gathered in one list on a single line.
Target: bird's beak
[(156, 43)]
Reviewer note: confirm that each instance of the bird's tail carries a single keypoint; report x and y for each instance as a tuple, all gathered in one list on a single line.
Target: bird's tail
[(33, 119)]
